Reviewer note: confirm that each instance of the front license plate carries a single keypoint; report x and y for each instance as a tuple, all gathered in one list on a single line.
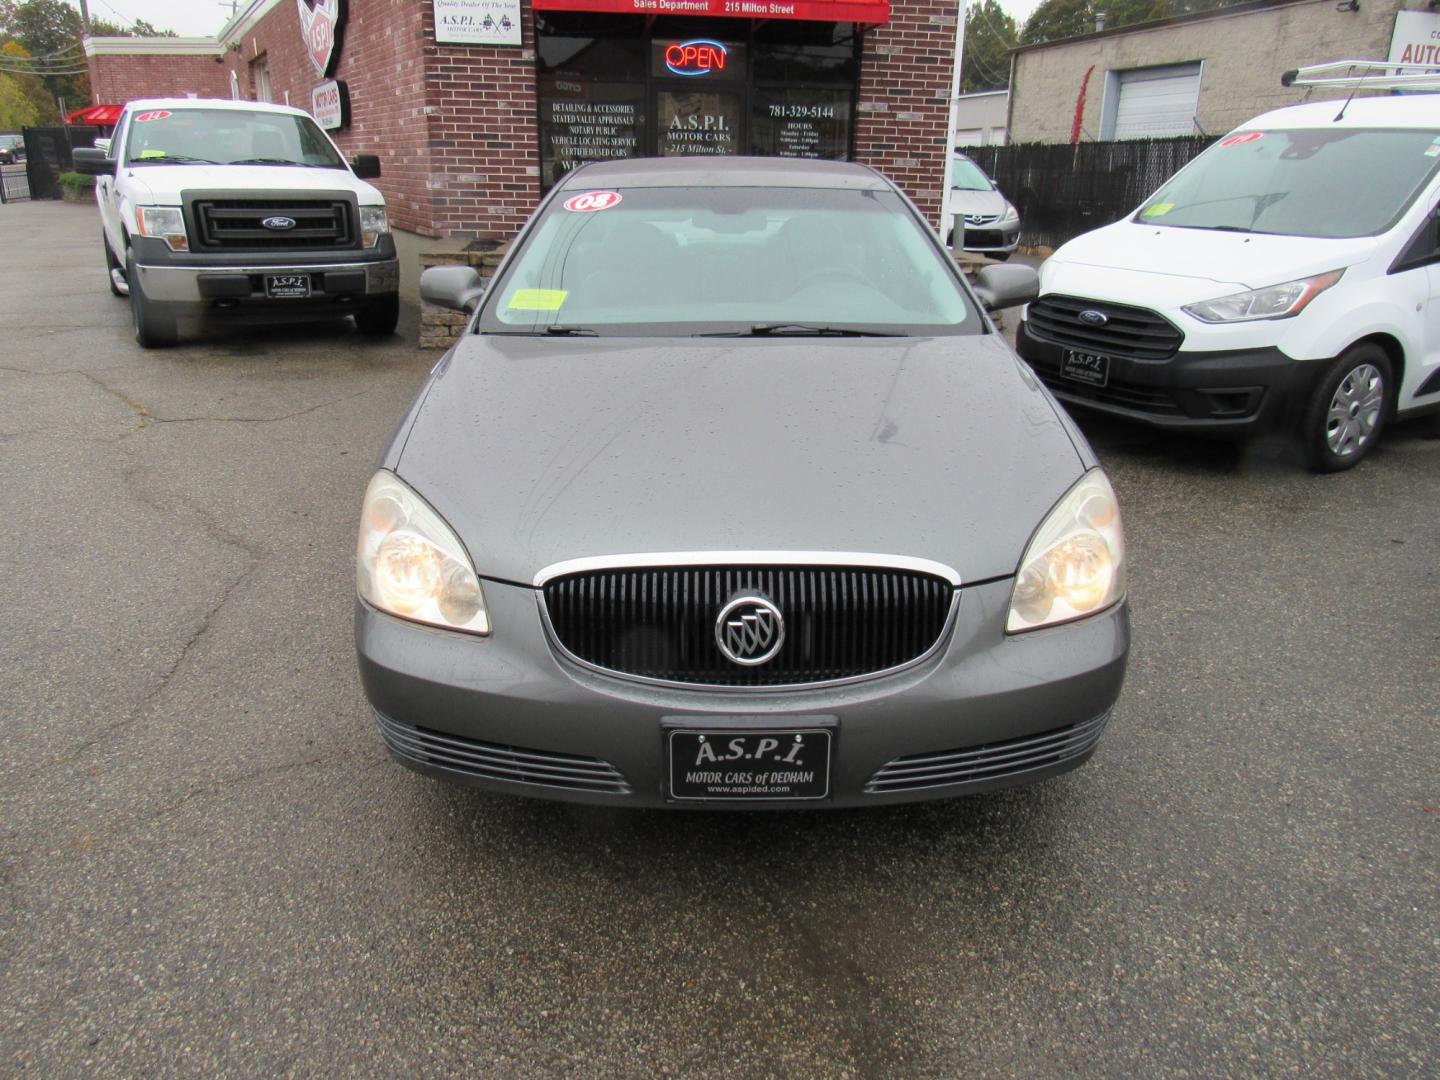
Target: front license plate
[(1085, 367), (287, 286), (721, 764)]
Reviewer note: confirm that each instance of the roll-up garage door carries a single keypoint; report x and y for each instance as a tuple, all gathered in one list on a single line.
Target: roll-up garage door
[(1155, 102)]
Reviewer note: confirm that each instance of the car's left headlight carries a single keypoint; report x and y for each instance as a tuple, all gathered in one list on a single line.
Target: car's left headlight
[(374, 223), (1075, 564), (165, 223), (1275, 302), (1011, 214), (409, 563)]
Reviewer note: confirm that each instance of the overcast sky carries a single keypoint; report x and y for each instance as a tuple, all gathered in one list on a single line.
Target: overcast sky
[(203, 18)]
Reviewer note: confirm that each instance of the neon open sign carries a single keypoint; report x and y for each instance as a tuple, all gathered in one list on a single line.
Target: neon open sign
[(698, 57)]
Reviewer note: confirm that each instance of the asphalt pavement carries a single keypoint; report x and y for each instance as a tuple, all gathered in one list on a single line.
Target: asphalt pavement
[(209, 865)]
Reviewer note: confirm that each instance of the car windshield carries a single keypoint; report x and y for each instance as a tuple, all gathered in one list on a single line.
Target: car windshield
[(10, 142), (227, 137), (1320, 182), (730, 260), (969, 177)]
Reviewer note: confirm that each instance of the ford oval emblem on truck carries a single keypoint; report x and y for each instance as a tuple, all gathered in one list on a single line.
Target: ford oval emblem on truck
[(279, 224), (1094, 318)]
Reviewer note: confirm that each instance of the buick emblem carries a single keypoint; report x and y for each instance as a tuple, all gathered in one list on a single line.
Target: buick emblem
[(279, 224), (1094, 318), (749, 630)]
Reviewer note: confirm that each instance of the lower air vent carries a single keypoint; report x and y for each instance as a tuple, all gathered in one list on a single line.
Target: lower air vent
[(491, 761), (991, 761)]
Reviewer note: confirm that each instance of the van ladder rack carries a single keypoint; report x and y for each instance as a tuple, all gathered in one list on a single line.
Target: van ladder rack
[(1365, 75)]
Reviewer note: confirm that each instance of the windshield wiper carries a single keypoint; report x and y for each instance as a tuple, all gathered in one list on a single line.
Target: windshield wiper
[(571, 331), (172, 159), (279, 161), (801, 330)]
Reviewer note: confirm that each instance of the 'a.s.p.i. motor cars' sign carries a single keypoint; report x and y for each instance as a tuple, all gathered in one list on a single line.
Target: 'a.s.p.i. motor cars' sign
[(477, 22), (322, 26)]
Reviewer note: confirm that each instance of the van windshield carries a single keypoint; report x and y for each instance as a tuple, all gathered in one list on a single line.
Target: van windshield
[(1318, 182)]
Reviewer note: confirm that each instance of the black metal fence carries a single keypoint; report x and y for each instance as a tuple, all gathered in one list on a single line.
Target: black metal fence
[(1062, 190), (14, 184), (47, 155)]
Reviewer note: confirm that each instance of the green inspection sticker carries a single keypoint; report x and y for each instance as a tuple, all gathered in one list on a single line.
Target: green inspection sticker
[(146, 154), (537, 299), (1160, 209)]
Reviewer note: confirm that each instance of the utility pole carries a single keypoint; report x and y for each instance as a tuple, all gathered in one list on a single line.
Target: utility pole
[(85, 17)]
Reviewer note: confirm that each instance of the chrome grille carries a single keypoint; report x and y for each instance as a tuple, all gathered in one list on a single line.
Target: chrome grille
[(658, 623), (491, 761), (1128, 331), (991, 761), (223, 224)]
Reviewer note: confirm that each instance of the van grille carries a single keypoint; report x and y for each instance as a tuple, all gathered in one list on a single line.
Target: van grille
[(1128, 331), (235, 224)]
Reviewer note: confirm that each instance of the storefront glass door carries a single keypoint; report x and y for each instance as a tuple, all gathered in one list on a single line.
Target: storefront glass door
[(690, 120)]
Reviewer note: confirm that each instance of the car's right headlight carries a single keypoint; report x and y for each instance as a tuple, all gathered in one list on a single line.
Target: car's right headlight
[(409, 563), (1075, 564)]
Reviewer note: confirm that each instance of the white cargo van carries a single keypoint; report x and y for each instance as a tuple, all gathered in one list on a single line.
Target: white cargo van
[(1289, 275), (241, 211)]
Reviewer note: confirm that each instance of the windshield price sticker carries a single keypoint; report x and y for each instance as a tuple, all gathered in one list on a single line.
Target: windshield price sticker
[(1241, 140), (538, 299), (146, 117), (591, 201)]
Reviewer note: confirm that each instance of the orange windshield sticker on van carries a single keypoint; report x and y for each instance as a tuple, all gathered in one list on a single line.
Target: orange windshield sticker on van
[(1241, 140)]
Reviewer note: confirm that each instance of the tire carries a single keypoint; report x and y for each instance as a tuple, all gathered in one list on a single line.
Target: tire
[(154, 328), (378, 318), (111, 265), (1001, 256), (1347, 410)]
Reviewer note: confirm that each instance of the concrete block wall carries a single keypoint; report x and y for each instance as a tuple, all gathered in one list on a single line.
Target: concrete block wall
[(1244, 52)]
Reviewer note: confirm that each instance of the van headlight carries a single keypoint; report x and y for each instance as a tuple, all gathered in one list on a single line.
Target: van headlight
[(374, 223), (1075, 564), (165, 223), (410, 564), (1275, 302)]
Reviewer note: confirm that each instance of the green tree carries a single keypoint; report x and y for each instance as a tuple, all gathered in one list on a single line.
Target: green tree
[(16, 109), (1056, 19), (990, 34)]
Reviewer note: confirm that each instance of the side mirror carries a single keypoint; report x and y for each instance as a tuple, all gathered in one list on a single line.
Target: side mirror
[(92, 162), (1006, 286), (456, 287), (366, 166)]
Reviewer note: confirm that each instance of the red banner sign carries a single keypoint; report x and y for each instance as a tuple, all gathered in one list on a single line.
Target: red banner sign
[(861, 11)]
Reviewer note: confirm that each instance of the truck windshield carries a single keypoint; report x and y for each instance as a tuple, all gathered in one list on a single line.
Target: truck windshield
[(227, 137), (1319, 182), (730, 260)]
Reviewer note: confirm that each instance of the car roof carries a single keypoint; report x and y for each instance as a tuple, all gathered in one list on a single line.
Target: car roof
[(151, 104), (724, 172), (1418, 111)]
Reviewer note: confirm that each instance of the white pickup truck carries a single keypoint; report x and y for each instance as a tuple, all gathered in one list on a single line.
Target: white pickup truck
[(239, 210)]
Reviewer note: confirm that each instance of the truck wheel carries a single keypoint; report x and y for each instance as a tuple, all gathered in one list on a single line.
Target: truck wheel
[(378, 318), (113, 268), (154, 329), (1347, 410)]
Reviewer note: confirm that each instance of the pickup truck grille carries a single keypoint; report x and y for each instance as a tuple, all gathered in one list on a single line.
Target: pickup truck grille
[(235, 224)]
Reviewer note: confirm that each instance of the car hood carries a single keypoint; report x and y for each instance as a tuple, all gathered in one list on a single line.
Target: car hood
[(166, 184), (1241, 260), (976, 202), (541, 450)]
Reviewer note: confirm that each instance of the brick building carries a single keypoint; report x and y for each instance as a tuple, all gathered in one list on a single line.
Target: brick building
[(473, 124)]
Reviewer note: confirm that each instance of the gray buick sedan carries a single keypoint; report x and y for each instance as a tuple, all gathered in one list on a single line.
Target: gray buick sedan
[(731, 495)]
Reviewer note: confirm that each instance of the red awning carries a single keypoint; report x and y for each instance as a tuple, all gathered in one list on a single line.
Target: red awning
[(96, 116), (861, 11)]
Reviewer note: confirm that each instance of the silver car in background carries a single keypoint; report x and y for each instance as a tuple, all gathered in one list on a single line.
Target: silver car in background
[(732, 496), (981, 219)]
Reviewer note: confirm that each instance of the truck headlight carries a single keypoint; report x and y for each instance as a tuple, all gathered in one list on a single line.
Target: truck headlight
[(374, 223), (1276, 302), (1075, 564), (166, 223), (409, 563)]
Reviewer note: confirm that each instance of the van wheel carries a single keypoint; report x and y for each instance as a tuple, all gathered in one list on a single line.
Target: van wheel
[(1347, 410), (378, 318), (154, 328), (113, 268)]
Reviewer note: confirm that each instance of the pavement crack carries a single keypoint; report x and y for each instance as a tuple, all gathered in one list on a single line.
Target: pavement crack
[(258, 419), (137, 407)]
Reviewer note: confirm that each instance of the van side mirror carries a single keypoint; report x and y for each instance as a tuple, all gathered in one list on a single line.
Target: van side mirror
[(458, 288), (366, 166), (1006, 286), (92, 162)]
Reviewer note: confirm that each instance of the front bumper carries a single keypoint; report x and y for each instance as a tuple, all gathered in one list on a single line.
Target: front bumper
[(989, 239), (507, 714), (244, 283), (1233, 394)]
